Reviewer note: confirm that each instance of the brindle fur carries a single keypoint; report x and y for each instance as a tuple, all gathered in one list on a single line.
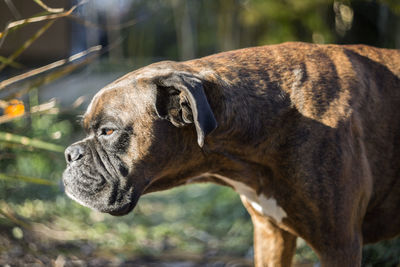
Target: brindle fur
[(316, 127)]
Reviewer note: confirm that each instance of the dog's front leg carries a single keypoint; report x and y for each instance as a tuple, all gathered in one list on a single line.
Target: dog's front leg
[(346, 256), (272, 245)]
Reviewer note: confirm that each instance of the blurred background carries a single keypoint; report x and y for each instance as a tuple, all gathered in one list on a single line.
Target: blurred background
[(55, 55)]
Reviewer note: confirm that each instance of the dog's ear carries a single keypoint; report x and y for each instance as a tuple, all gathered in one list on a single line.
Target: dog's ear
[(181, 100)]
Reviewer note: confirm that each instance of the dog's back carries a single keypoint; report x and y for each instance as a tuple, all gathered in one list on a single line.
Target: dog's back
[(352, 90)]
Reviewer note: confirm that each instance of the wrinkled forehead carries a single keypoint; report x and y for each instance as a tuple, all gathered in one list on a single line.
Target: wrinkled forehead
[(119, 101)]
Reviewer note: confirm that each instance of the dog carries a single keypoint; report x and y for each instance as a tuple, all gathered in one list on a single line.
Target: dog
[(308, 135)]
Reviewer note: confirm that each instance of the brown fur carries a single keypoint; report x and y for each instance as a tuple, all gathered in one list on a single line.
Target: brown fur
[(316, 127)]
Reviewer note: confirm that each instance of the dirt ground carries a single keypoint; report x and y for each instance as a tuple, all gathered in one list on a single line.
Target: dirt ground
[(37, 250)]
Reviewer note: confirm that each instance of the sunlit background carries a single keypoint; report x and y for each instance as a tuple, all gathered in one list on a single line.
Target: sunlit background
[(55, 55)]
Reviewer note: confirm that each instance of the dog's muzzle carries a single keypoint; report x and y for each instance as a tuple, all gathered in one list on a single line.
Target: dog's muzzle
[(88, 181)]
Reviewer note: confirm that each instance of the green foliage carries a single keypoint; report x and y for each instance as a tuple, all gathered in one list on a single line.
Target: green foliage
[(227, 24), (383, 254), (26, 159)]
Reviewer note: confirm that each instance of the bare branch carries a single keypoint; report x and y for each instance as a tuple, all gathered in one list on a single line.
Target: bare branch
[(26, 141), (48, 9), (10, 62), (39, 18), (53, 65), (27, 44)]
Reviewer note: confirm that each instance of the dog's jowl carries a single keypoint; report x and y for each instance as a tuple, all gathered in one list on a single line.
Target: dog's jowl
[(308, 135)]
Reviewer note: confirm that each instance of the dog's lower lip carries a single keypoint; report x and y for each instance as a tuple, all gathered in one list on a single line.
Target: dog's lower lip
[(128, 207), (123, 211)]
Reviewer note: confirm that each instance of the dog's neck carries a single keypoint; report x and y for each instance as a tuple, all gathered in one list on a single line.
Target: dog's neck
[(246, 144)]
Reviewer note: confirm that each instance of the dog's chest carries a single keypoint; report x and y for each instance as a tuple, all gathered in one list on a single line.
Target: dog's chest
[(263, 205)]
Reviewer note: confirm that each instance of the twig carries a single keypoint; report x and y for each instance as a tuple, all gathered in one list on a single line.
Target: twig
[(11, 62), (45, 106), (26, 44), (48, 9), (39, 18), (50, 66), (52, 76), (9, 137), (33, 180)]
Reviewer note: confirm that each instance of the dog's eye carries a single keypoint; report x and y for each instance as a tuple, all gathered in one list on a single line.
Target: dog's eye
[(107, 131)]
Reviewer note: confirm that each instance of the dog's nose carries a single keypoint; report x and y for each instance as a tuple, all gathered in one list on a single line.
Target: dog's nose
[(73, 153)]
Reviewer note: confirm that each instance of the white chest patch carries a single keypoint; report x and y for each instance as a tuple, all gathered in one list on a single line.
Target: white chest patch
[(263, 205)]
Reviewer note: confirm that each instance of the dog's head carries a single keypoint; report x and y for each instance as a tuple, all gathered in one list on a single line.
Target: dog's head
[(142, 129)]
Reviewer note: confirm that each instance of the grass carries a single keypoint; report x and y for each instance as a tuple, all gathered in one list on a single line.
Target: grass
[(160, 221)]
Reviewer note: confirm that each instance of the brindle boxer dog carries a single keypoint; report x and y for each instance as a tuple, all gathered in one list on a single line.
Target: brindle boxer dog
[(308, 135)]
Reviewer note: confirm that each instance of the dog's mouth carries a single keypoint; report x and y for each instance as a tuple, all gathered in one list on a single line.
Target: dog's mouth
[(100, 193), (125, 209)]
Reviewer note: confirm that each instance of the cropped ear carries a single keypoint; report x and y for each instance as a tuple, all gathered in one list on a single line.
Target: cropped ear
[(181, 100)]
